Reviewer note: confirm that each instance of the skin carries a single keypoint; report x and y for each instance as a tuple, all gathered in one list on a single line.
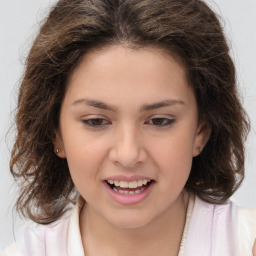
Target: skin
[(130, 142)]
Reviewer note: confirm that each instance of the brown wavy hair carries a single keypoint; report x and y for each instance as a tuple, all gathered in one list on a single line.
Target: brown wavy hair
[(188, 29)]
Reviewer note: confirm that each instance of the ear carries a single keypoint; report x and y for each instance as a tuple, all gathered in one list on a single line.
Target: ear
[(203, 134), (59, 146)]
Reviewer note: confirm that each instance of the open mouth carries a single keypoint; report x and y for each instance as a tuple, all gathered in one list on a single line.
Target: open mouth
[(129, 188)]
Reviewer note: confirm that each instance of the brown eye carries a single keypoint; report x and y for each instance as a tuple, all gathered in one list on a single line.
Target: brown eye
[(95, 122), (160, 121)]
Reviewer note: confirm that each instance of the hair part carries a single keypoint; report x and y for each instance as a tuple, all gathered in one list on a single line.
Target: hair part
[(188, 29)]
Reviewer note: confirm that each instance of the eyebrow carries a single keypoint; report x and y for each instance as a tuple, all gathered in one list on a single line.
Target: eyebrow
[(145, 107)]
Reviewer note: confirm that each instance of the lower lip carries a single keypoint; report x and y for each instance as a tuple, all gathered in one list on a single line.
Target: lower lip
[(129, 199)]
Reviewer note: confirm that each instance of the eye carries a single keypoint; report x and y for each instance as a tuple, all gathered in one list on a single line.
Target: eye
[(95, 122), (161, 121)]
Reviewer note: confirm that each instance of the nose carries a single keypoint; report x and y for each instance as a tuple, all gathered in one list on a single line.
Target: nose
[(127, 149)]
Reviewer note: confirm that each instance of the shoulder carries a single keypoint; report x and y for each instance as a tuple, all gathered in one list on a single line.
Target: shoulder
[(60, 238), (241, 220), (247, 215), (41, 240), (229, 222), (246, 228), (46, 237), (12, 250)]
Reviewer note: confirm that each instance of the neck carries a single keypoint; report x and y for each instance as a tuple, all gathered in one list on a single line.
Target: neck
[(162, 236)]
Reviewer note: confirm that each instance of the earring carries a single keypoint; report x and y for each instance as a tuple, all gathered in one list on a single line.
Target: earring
[(57, 150)]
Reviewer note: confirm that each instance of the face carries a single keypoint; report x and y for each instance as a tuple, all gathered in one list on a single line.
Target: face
[(129, 130)]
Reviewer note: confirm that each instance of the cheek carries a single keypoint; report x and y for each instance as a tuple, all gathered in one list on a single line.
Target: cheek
[(85, 166), (174, 166), (84, 156), (174, 155)]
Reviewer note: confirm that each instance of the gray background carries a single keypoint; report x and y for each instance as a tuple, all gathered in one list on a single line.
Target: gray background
[(19, 21)]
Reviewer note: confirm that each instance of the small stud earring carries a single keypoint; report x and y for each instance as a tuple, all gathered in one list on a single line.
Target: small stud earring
[(57, 150)]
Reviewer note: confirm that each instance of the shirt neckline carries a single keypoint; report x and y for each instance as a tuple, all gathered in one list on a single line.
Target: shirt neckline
[(75, 246)]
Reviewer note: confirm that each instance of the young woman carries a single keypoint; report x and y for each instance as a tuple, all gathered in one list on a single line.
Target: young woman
[(129, 110)]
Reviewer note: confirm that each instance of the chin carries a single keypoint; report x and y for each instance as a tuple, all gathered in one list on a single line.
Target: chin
[(130, 221)]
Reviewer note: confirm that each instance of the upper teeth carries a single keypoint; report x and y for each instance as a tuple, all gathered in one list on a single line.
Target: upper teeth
[(126, 184)]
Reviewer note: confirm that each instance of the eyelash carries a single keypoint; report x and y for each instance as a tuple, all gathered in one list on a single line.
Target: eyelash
[(89, 122)]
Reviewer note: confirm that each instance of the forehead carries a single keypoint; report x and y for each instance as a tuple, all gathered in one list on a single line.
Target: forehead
[(117, 72), (117, 53)]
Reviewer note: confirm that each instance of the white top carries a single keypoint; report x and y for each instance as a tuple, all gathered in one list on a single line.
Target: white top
[(62, 238)]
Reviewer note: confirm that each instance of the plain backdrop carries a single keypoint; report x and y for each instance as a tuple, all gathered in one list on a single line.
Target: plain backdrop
[(19, 21)]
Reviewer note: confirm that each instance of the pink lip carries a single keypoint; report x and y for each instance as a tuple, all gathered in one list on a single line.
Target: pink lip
[(125, 178), (128, 199)]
